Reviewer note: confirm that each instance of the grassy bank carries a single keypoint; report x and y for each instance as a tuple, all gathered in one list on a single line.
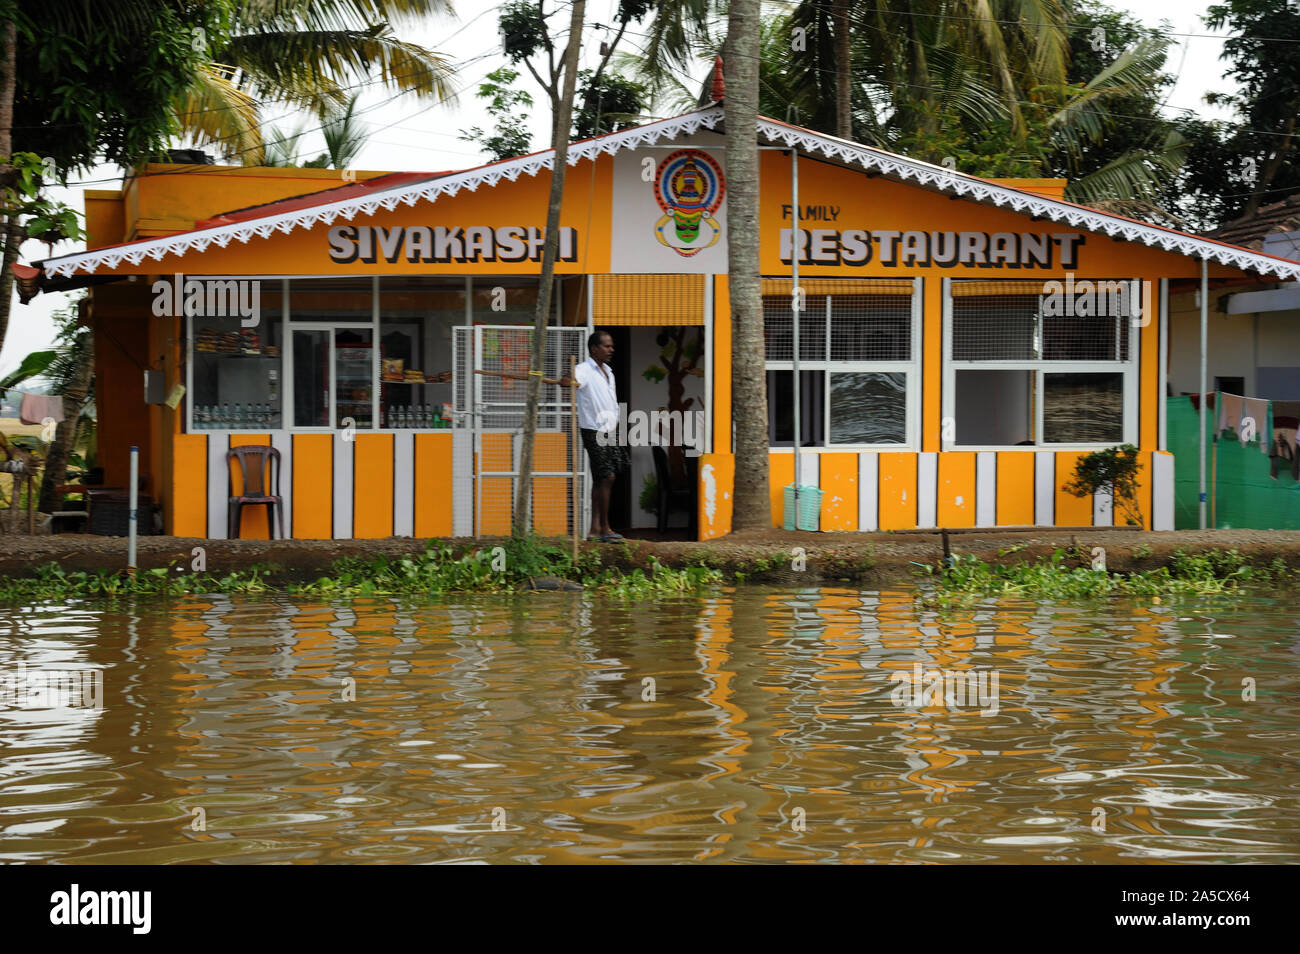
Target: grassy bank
[(1067, 574), (512, 565), (1033, 564)]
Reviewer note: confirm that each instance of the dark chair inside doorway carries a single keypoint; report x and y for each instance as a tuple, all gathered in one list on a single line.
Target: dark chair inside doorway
[(675, 494), (260, 466)]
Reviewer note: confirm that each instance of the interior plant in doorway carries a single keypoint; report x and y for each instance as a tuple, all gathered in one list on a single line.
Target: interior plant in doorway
[(1111, 471)]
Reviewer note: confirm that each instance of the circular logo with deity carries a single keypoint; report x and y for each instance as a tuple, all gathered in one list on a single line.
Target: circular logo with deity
[(689, 188)]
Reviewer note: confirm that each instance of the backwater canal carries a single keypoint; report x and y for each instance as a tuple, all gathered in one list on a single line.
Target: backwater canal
[(750, 725)]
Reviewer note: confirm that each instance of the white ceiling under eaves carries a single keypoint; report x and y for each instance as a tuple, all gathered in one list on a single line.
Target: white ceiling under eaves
[(900, 168)]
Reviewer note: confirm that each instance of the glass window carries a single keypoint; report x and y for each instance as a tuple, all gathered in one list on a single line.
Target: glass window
[(780, 402), (354, 377), (868, 407), (856, 361), (311, 378), (236, 370), (416, 318), (995, 407), (1083, 408), (1041, 363)]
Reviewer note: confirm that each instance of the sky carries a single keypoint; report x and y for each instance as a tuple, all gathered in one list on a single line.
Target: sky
[(420, 135)]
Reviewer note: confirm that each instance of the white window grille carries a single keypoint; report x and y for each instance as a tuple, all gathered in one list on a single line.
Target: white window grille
[(859, 362), (1050, 364)]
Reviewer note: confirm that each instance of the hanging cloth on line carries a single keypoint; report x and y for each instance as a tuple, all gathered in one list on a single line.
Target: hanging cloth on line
[(1234, 409), (37, 407)]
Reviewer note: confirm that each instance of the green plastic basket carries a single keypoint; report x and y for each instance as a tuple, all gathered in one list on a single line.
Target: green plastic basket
[(810, 508)]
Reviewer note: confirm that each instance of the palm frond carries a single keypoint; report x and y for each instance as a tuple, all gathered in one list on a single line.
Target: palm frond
[(1139, 174), (215, 112)]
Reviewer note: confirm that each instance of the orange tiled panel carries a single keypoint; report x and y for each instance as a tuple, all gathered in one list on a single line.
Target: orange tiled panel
[(717, 480), (189, 509), (433, 506), (897, 492), (956, 505), (1015, 488), (839, 483), (551, 506), (780, 473), (495, 493), (1071, 511), (372, 486), (313, 486)]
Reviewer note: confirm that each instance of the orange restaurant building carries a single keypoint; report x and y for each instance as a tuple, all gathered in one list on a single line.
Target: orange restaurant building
[(962, 341)]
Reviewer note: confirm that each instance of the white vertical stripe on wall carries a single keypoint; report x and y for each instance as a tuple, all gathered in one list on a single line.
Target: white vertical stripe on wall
[(1045, 488), (343, 452), (283, 442), (404, 484), (462, 481), (868, 478), (986, 489), (810, 465), (810, 474), (927, 488), (1162, 492), (218, 486), (1102, 507)]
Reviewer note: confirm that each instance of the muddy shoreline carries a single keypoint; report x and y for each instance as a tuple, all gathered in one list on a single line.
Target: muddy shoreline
[(766, 557)]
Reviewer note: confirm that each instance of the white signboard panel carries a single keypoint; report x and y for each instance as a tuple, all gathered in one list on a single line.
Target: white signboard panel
[(670, 208)]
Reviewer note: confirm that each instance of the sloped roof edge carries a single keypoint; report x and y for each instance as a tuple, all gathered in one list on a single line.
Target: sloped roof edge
[(924, 174)]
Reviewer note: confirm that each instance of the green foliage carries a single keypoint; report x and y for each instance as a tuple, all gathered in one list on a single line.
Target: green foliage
[(506, 104), (606, 104), (649, 498), (97, 82), (32, 366), (523, 31), (1113, 471), (439, 570), (1050, 578), (45, 220)]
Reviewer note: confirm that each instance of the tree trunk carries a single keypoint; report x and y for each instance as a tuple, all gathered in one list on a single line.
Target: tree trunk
[(843, 70), (520, 523), (751, 507), (1271, 166), (12, 234), (65, 435)]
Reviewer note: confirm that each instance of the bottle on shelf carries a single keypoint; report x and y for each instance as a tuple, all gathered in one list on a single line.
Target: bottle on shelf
[(223, 419)]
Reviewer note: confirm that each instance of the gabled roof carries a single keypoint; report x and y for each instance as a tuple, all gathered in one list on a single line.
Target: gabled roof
[(855, 155), (1250, 231)]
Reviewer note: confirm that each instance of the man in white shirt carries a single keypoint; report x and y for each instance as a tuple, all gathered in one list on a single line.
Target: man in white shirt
[(598, 422)]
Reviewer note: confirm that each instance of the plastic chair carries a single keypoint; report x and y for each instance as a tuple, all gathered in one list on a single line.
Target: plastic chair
[(262, 457), (674, 496)]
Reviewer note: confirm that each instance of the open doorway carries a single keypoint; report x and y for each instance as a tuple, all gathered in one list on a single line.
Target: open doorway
[(661, 382)]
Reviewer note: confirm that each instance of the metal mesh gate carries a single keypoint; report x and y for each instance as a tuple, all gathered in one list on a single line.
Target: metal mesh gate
[(490, 387)]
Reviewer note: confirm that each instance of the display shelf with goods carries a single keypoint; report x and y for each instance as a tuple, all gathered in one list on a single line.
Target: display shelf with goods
[(235, 375)]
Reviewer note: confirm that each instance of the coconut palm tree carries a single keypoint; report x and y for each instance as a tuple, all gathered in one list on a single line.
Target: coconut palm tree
[(307, 54)]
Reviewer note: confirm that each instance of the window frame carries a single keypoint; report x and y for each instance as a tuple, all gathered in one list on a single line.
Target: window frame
[(1129, 369), (911, 368), (289, 325)]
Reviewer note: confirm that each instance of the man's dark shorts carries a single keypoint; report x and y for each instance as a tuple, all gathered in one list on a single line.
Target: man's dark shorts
[(607, 460)]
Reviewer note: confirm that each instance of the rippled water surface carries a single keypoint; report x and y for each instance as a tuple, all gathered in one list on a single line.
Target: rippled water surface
[(757, 725)]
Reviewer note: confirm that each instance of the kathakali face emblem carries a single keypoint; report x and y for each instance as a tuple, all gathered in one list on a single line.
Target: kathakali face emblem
[(689, 188)]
